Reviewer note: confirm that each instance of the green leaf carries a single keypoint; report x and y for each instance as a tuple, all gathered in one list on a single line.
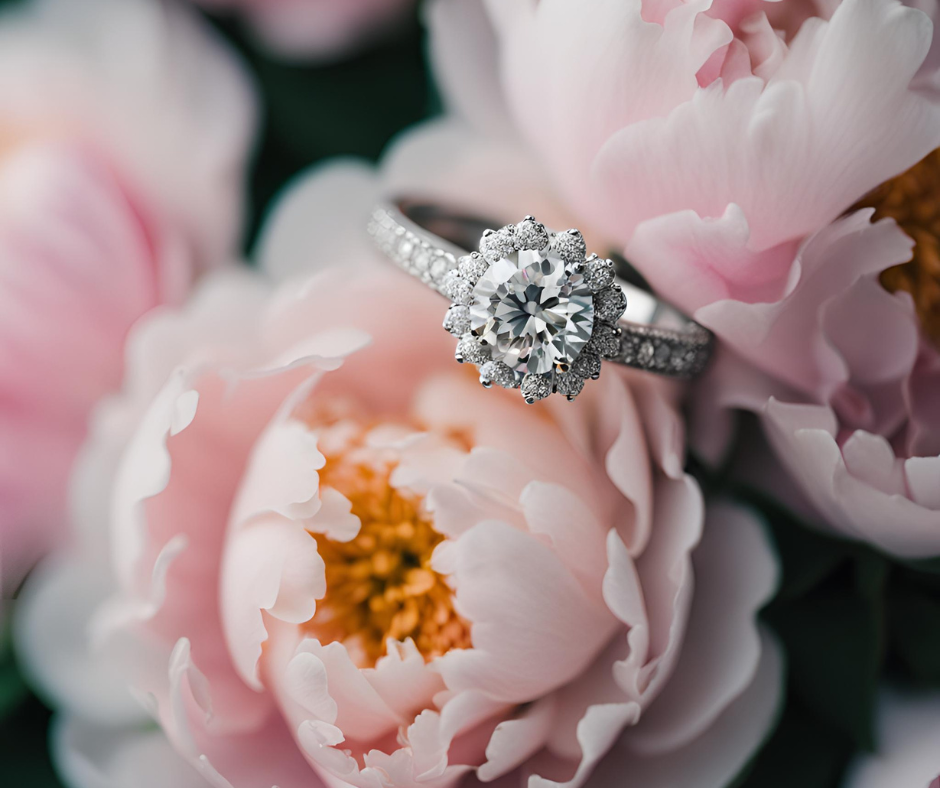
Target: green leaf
[(913, 605), (13, 689), (834, 639), (350, 108), (24, 748), (803, 752), (807, 557)]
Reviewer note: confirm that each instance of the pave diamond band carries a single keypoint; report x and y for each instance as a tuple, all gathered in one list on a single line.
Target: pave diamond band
[(529, 307)]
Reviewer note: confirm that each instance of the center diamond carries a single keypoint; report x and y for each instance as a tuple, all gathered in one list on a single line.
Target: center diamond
[(532, 312)]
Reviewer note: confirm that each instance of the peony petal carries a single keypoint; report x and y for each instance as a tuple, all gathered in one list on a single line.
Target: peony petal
[(272, 565), (785, 152), (94, 757), (908, 732), (463, 51), (52, 636), (317, 221), (735, 573), (716, 757), (520, 600), (803, 437), (576, 74)]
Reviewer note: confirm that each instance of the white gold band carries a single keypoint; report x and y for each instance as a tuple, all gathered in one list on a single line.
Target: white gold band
[(427, 241)]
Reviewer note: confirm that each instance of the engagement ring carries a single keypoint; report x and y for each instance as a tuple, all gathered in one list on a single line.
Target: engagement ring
[(530, 308)]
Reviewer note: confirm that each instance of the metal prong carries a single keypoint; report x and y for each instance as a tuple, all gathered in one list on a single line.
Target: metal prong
[(487, 384)]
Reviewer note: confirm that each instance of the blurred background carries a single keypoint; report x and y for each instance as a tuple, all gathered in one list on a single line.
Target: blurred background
[(845, 614), (370, 94)]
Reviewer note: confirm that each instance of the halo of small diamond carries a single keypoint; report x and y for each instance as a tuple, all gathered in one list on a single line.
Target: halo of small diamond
[(531, 234), (574, 364)]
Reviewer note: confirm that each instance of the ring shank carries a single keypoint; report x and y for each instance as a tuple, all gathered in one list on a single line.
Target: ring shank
[(426, 240)]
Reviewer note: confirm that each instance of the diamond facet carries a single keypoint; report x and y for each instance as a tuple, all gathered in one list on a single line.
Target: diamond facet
[(532, 311)]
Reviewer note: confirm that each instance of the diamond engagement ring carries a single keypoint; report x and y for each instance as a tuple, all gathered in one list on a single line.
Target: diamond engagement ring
[(530, 308)]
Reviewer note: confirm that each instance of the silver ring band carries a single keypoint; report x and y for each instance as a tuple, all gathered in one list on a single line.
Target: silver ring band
[(427, 241)]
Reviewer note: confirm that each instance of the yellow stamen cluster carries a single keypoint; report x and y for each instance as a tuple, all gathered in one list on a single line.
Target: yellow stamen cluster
[(912, 199), (380, 584)]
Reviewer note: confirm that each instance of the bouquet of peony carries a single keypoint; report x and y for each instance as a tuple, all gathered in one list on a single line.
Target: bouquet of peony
[(672, 521)]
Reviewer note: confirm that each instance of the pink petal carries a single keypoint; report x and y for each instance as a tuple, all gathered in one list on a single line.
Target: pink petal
[(786, 152), (735, 574), (507, 582)]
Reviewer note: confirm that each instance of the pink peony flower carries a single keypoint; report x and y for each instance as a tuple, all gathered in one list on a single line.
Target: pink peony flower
[(722, 147), (337, 560), (316, 29), (124, 133), (909, 728)]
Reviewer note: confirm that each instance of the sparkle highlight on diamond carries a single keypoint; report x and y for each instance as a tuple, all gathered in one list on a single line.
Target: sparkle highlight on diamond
[(532, 311)]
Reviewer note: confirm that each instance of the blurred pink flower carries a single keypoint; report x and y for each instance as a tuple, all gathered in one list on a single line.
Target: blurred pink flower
[(720, 146), (337, 558), (125, 127), (909, 732), (316, 29)]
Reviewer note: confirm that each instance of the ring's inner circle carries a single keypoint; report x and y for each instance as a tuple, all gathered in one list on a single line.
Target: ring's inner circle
[(532, 312)]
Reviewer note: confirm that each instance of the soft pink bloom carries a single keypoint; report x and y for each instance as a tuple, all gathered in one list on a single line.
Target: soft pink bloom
[(909, 754), (719, 145), (316, 29), (125, 127), (609, 628)]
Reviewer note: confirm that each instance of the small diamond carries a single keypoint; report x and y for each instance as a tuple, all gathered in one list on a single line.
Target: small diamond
[(610, 303), (498, 243), (570, 246), (405, 248), (531, 235), (535, 387), (569, 384), (605, 341), (587, 365), (497, 372), (457, 320), (599, 274), (470, 349), (472, 267), (422, 260), (458, 289), (661, 356), (645, 353), (439, 267)]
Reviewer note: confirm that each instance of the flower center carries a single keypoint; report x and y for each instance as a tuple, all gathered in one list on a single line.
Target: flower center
[(912, 199), (532, 312), (380, 584)]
